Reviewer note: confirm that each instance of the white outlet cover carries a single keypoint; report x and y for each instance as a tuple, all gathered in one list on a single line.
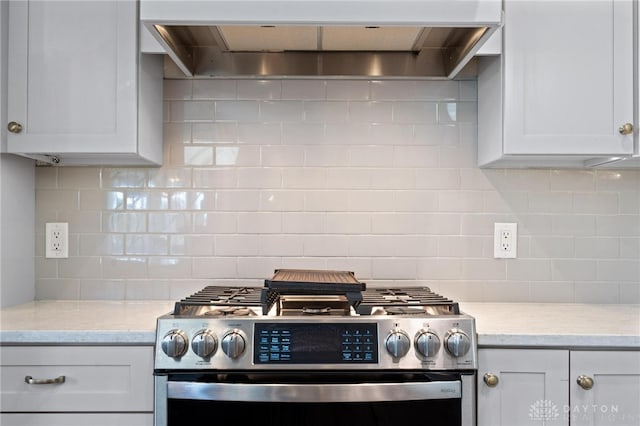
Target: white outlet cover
[(56, 240), (511, 242)]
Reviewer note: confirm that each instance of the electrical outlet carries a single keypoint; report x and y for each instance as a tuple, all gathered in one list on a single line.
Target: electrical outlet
[(57, 240), (505, 240)]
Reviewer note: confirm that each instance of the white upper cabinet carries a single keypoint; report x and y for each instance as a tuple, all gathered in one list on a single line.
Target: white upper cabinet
[(561, 93), (4, 25), (79, 90)]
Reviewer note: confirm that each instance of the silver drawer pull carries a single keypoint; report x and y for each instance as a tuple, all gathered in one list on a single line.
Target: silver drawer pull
[(32, 381)]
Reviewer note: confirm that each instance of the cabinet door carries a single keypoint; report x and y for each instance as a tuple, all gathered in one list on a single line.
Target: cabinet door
[(76, 419), (568, 71), (72, 76), (96, 379), (614, 398), (531, 387)]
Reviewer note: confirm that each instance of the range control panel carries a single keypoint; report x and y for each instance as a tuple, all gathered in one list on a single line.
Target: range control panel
[(308, 343), (446, 342)]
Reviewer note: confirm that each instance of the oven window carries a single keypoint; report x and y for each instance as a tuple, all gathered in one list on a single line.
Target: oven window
[(441, 412)]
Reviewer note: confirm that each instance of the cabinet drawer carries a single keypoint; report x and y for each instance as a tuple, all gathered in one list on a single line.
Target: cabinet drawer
[(72, 419), (96, 378)]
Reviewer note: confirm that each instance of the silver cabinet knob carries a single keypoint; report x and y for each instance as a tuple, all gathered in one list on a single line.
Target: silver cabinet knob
[(626, 129), (585, 382), (491, 380), (14, 127)]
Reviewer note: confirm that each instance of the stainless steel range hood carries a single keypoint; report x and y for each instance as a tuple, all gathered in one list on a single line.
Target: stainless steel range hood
[(321, 38)]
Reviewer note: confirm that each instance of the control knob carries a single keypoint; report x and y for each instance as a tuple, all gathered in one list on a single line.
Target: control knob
[(427, 343), (397, 343), (175, 343), (204, 343), (233, 344), (457, 342)]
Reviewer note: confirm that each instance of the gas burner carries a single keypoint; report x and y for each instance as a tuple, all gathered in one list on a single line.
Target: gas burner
[(229, 311), (405, 310)]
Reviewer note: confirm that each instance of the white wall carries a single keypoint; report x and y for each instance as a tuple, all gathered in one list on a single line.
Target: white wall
[(375, 177)]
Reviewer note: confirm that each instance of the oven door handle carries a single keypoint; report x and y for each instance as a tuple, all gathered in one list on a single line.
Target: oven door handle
[(287, 392)]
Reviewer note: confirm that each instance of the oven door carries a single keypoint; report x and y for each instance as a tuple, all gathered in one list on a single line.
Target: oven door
[(286, 399)]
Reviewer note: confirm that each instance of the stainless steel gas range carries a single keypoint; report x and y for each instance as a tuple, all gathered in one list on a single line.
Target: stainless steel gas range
[(315, 346)]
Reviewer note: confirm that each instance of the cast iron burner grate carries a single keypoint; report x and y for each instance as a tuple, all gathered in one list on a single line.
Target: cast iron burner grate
[(409, 297), (214, 296)]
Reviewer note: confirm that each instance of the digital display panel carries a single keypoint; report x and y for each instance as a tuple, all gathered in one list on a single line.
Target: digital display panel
[(312, 343)]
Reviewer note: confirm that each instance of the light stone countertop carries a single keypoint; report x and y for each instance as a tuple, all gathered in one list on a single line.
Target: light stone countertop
[(82, 322), (498, 324), (555, 325)]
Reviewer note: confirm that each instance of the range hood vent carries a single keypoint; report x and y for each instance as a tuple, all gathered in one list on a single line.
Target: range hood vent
[(310, 38)]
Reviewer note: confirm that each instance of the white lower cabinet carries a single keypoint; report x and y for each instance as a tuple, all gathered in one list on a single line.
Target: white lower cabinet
[(558, 387), (76, 385)]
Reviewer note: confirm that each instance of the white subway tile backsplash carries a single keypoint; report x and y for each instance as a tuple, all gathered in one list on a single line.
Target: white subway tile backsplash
[(436, 134), (303, 223), (167, 222), (107, 289), (259, 89), (214, 89), (209, 223), (219, 177), (391, 178), (416, 156), (348, 223), (244, 155), (146, 244), (326, 111), (237, 245), (370, 156), (281, 245), (210, 268), (303, 134), (595, 292), (281, 111), (414, 112), (348, 178), (169, 267), (348, 89), (101, 245), (124, 222), (326, 156), (375, 177), (260, 133), (281, 200), (325, 245), (371, 112), (260, 223), (353, 134), (282, 156), (191, 111), (227, 110), (573, 270), (177, 89), (304, 89), (224, 132), (618, 225), (198, 156), (191, 245), (616, 270)]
